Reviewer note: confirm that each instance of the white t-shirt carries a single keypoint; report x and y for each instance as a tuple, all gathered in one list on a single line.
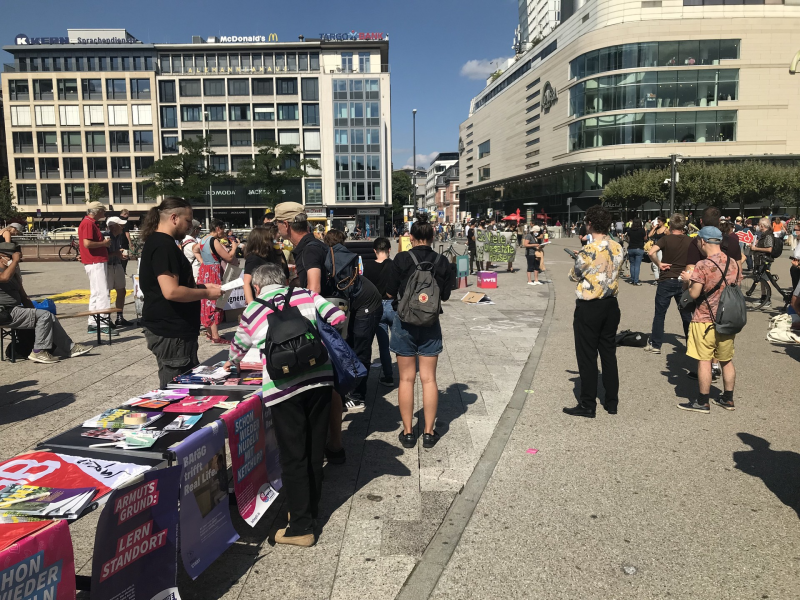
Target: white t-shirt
[(186, 245)]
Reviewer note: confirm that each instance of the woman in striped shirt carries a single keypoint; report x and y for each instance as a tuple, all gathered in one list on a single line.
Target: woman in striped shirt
[(300, 404)]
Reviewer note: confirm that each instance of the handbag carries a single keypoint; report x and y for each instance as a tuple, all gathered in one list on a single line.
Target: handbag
[(347, 369)]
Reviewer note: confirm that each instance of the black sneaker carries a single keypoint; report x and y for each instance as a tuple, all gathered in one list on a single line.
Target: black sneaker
[(715, 374), (409, 440), (335, 457), (722, 403), (354, 404), (695, 406), (387, 381), (123, 322), (579, 411), (429, 439)]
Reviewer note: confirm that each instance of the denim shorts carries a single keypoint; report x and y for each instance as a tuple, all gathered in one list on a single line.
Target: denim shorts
[(413, 340)]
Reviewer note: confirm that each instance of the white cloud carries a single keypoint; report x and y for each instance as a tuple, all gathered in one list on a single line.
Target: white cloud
[(423, 161), (481, 69)]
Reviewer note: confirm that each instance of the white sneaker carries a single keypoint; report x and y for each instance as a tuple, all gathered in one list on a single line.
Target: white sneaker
[(531, 283), (651, 349), (43, 357), (79, 350), (537, 283)]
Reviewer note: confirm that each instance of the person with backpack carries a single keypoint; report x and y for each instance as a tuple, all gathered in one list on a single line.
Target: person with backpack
[(297, 386), (712, 281), (422, 280), (766, 249)]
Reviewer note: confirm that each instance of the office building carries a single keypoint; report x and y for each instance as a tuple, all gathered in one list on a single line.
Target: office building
[(438, 166), (3, 152), (619, 86), (537, 18), (99, 107)]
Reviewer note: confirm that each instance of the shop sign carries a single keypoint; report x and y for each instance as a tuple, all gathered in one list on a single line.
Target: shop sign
[(315, 212), (111, 40), (239, 39), (353, 36), (549, 96), (24, 40), (237, 70), (369, 211)]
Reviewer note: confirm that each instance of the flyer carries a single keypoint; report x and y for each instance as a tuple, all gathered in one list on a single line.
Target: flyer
[(195, 404), (246, 439), (39, 565), (206, 527), (135, 547)]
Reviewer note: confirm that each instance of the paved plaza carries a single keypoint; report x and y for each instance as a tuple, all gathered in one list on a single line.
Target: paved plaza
[(650, 503)]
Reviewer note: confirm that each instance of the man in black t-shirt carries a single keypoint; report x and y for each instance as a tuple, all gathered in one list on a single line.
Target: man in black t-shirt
[(380, 272), (171, 313), (472, 247)]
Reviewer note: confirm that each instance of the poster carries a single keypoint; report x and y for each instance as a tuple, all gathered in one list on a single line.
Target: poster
[(11, 532), (273, 460), (39, 566), (232, 299), (135, 547), (206, 528), (246, 439), (405, 243), (48, 469), (462, 265), (495, 246)]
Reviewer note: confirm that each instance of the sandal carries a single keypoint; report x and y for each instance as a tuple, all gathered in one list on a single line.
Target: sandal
[(220, 340)]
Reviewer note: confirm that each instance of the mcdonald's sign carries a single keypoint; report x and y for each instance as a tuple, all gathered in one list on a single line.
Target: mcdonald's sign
[(238, 39), (273, 37)]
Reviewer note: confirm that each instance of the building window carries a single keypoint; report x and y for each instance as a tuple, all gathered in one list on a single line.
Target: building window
[(239, 112), (240, 161), (313, 192), (286, 87), (97, 167), (169, 143), (373, 166), (190, 88), (656, 54), (142, 141), (92, 89), (47, 141), (218, 138), (289, 137), (373, 114), (71, 141), (340, 89), (140, 89), (359, 191), (484, 173), (70, 116), (120, 167), (288, 112), (75, 193), (313, 61), (26, 194), (25, 168), (20, 116), (357, 113), (309, 88), (347, 62), (142, 114), (116, 90), (312, 171), (123, 193), (363, 62), (119, 141), (311, 141), (653, 128), (533, 130), (195, 135), (263, 112), (51, 193), (373, 90), (532, 153), (215, 112), (169, 117), (95, 141), (238, 87), (67, 89), (356, 89), (166, 91), (484, 149), (373, 140), (340, 114), (263, 135), (241, 137), (219, 164), (214, 87), (18, 89), (532, 119), (343, 191), (73, 168), (342, 163), (45, 115), (310, 114), (357, 140), (43, 89), (533, 83), (341, 143), (115, 65), (654, 89), (532, 96), (142, 164), (532, 142), (262, 87), (373, 191), (190, 114), (22, 141), (118, 115)]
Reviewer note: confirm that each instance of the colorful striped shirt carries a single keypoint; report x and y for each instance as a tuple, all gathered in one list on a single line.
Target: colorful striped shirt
[(252, 331)]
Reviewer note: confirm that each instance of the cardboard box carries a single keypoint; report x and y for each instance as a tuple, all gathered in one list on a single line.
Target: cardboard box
[(487, 279)]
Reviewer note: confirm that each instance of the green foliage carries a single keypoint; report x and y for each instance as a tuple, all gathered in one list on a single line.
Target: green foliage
[(186, 175), (7, 209), (402, 191), (272, 168), (96, 192), (496, 75), (634, 189)]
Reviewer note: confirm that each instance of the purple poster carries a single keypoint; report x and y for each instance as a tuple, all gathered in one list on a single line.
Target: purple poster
[(273, 454), (206, 528), (135, 547)]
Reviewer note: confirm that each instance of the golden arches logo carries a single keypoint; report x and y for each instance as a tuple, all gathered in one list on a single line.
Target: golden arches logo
[(273, 37)]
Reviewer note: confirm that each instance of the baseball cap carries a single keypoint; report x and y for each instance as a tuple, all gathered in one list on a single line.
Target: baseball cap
[(290, 211), (711, 235), (536, 229), (95, 205), (116, 221), (196, 224), (17, 226)]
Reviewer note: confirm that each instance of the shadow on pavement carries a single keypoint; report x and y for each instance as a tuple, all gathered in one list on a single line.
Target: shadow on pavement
[(17, 405), (779, 470)]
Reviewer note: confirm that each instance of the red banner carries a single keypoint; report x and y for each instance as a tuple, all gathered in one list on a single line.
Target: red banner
[(40, 565)]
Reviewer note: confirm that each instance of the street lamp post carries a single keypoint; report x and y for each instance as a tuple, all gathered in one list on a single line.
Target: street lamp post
[(414, 152), (673, 169), (210, 195)]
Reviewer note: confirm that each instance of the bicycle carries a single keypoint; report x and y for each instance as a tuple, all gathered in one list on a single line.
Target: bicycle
[(762, 274), (71, 251)]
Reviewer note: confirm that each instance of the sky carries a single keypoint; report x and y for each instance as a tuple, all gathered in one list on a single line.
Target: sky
[(440, 51)]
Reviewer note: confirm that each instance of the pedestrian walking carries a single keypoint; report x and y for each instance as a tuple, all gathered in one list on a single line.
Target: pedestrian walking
[(704, 343), (411, 342), (532, 244), (211, 252), (657, 231), (94, 256), (115, 271), (636, 236), (472, 247), (596, 317), (171, 312), (669, 256)]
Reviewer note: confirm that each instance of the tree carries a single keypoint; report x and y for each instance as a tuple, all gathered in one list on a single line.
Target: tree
[(187, 174), (402, 191), (273, 167), (496, 75), (7, 209), (96, 192)]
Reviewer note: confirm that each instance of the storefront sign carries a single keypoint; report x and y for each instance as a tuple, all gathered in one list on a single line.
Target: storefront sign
[(353, 36), (369, 211), (316, 213), (24, 40), (549, 96), (239, 39), (111, 40)]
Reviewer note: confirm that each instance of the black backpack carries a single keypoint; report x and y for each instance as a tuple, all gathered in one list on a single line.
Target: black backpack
[(777, 247), (293, 344), (342, 268), (634, 339)]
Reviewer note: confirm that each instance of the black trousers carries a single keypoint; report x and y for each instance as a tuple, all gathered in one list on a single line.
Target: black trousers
[(595, 328), (301, 426), (174, 356), (362, 328)]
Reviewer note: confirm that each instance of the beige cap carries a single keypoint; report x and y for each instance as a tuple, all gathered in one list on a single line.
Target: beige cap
[(290, 211), (536, 229), (95, 205)]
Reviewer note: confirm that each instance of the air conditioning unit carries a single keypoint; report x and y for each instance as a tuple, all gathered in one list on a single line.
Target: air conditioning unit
[(212, 40), (196, 39)]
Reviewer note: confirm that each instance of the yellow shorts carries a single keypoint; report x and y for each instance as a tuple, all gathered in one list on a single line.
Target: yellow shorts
[(707, 346)]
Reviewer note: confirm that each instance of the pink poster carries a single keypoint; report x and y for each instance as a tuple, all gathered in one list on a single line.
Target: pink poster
[(40, 565), (247, 442)]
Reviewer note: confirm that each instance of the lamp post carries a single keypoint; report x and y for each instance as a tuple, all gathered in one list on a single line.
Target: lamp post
[(673, 177), (206, 118), (414, 152)]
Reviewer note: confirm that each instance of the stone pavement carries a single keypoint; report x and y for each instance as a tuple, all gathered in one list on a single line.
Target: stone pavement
[(380, 509), (653, 502)]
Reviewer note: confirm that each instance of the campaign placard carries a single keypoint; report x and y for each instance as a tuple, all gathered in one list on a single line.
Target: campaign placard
[(273, 461), (206, 528), (246, 439), (40, 565), (135, 547)]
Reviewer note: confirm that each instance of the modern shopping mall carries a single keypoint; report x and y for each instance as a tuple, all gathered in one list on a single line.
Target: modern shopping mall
[(100, 106), (621, 85)]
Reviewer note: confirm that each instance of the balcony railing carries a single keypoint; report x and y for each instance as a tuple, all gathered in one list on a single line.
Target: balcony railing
[(356, 71)]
